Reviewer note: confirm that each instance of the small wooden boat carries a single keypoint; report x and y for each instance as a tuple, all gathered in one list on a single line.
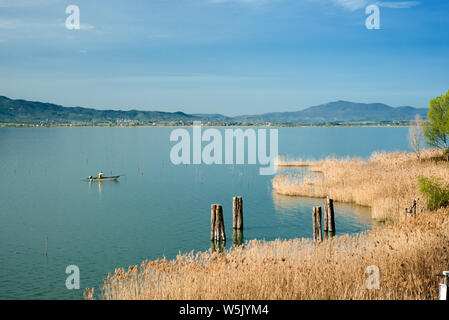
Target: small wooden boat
[(96, 179)]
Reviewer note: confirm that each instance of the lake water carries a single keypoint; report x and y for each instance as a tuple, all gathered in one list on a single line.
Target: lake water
[(156, 209)]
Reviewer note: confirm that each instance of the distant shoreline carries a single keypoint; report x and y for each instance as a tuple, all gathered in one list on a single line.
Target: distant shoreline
[(261, 125), (23, 113)]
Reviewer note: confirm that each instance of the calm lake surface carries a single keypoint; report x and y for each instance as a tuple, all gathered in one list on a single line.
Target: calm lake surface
[(156, 209)]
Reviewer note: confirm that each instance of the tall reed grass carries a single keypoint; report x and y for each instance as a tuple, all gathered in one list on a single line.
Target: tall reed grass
[(387, 182), (408, 255)]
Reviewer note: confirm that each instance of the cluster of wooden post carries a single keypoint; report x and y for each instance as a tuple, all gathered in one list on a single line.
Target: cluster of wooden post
[(329, 220), (217, 231), (217, 228)]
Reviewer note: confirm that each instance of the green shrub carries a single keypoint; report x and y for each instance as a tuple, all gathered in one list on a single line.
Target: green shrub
[(436, 193), (446, 154)]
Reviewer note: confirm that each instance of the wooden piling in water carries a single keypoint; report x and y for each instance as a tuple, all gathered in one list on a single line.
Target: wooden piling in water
[(320, 230), (217, 224), (222, 227), (330, 215), (234, 212), (317, 228), (237, 204), (212, 222), (217, 228), (326, 216)]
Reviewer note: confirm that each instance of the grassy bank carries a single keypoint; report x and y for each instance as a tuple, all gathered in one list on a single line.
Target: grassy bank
[(387, 182)]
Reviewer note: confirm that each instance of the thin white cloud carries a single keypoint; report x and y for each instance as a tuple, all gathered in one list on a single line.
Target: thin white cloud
[(9, 24), (21, 24), (86, 26), (351, 4), (24, 3), (159, 35), (398, 5), (347, 4), (240, 1), (184, 78)]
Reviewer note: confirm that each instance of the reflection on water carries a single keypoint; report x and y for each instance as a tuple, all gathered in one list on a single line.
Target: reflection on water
[(288, 204), (300, 174), (328, 235), (346, 214), (237, 237), (99, 185), (219, 246), (237, 240)]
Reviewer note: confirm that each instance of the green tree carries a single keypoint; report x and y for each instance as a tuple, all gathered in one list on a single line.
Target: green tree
[(436, 129)]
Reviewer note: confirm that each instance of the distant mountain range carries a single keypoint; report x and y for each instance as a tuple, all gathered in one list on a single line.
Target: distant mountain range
[(342, 111), (23, 111)]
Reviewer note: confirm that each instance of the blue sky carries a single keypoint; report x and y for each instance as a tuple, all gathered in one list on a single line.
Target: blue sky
[(223, 56)]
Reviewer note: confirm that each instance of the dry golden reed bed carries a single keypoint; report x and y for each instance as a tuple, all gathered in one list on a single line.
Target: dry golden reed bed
[(408, 251), (408, 254), (387, 182)]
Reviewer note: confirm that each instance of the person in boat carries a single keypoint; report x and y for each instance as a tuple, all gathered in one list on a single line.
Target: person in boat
[(100, 175)]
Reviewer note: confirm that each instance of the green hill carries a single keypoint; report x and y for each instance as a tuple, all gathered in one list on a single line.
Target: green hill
[(30, 111)]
